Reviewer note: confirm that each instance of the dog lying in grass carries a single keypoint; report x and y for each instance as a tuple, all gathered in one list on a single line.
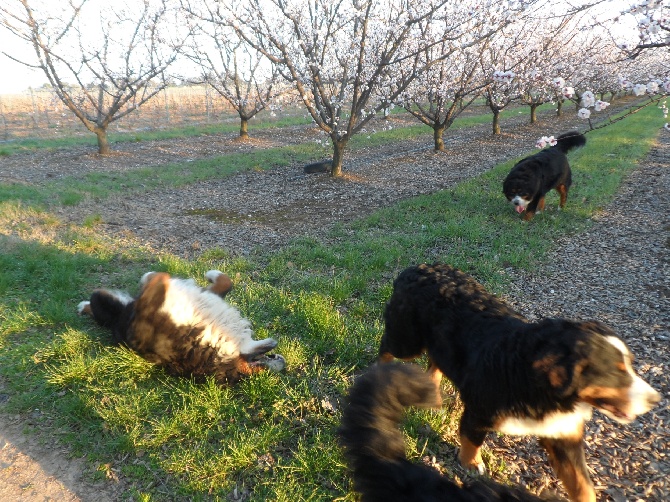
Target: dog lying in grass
[(188, 330), (513, 376), (375, 447)]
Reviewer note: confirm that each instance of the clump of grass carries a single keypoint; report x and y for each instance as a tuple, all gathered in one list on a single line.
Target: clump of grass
[(92, 220)]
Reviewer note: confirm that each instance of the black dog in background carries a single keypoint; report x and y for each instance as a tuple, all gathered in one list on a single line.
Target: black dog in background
[(318, 167), (533, 177), (375, 448)]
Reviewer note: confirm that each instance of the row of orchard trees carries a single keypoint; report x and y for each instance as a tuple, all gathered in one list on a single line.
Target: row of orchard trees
[(346, 60)]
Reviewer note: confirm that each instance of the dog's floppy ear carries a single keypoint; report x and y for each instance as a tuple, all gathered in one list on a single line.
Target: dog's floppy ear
[(563, 360), (562, 372)]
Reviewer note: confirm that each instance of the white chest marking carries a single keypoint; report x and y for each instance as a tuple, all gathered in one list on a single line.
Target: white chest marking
[(554, 425)]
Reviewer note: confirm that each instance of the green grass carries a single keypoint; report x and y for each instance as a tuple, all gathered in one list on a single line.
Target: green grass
[(273, 435), (89, 139)]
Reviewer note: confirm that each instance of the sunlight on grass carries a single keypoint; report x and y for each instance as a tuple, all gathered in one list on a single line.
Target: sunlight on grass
[(17, 318)]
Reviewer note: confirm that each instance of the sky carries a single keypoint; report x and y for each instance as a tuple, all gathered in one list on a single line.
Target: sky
[(17, 78), (14, 77)]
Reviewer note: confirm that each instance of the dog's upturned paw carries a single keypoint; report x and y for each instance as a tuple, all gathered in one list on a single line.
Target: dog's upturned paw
[(211, 275), (84, 308), (219, 283), (274, 362), (145, 278)]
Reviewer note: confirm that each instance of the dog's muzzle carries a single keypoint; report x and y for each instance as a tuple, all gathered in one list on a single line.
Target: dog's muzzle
[(519, 203)]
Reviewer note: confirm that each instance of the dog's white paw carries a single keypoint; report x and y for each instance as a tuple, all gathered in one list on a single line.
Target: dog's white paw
[(274, 362), (475, 468), (480, 469), (211, 275), (84, 308)]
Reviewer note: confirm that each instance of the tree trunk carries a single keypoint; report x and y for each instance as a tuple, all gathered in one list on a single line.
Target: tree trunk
[(496, 122), (103, 141), (438, 132), (244, 127), (559, 108), (533, 113), (338, 157)]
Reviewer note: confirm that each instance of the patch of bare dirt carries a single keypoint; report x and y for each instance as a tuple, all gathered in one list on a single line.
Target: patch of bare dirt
[(35, 468)]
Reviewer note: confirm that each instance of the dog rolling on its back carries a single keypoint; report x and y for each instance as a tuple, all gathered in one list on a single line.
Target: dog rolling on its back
[(375, 448), (188, 330)]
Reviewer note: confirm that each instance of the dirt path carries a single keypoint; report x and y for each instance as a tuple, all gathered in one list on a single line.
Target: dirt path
[(34, 469)]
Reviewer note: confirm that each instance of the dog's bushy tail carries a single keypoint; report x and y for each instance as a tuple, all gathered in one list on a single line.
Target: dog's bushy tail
[(569, 140), (375, 448)]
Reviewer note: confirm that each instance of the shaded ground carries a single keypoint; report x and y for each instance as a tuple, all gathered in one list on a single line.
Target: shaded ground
[(616, 272)]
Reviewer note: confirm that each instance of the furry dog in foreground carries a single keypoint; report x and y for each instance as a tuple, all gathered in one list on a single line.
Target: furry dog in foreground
[(375, 446), (533, 177), (188, 330), (514, 376)]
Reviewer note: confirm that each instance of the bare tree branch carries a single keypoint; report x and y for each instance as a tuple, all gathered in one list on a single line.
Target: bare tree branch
[(115, 69)]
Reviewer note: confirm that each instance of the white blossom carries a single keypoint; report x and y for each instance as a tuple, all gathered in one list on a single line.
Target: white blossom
[(584, 113), (546, 140), (625, 83), (600, 105), (558, 82), (588, 99), (504, 77), (639, 89)]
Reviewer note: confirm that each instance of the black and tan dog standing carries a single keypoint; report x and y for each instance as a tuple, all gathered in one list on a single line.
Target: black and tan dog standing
[(533, 177), (513, 376)]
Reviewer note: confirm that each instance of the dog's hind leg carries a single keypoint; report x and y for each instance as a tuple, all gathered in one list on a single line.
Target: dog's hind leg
[(231, 371), (254, 348), (563, 192), (220, 285), (566, 456), (436, 376)]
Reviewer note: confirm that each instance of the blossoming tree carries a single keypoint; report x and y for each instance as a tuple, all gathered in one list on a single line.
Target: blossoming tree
[(238, 73)]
